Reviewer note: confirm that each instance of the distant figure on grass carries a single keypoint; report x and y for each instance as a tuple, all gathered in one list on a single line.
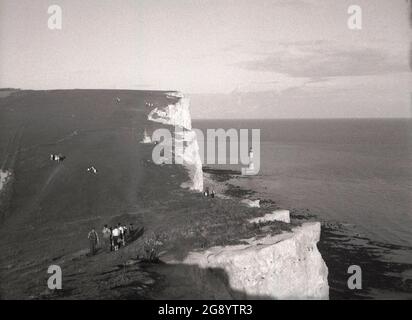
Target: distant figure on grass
[(122, 230), (212, 194), (107, 234), (93, 241), (116, 236), (206, 193), (126, 232), (111, 239), (57, 157), (92, 169)]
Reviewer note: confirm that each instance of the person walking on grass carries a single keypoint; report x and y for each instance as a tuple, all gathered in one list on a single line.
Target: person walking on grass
[(122, 234), (111, 239), (106, 237), (116, 235), (93, 241), (125, 234)]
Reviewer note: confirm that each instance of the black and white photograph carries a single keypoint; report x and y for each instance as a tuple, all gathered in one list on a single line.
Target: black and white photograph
[(205, 150)]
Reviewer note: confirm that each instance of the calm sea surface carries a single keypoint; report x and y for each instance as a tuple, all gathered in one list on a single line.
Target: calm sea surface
[(354, 172)]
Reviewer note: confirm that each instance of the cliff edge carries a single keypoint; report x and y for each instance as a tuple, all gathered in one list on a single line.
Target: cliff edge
[(283, 266)]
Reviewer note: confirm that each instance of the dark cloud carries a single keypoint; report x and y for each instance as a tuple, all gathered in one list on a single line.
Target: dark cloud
[(314, 60)]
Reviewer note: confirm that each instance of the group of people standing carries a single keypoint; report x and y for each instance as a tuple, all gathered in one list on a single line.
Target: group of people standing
[(113, 237), (208, 193)]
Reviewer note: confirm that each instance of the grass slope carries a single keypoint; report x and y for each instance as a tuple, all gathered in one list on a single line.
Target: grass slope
[(53, 205)]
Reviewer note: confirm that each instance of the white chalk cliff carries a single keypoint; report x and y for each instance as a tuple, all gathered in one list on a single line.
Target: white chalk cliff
[(178, 115), (283, 266), (4, 177), (277, 215)]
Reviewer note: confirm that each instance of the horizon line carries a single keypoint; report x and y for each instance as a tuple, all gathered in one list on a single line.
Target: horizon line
[(337, 118)]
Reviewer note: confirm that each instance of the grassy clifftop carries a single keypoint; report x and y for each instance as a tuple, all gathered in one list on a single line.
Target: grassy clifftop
[(54, 205)]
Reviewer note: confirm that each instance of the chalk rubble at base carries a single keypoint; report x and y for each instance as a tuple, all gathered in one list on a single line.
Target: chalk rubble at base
[(277, 215), (251, 203), (146, 139), (284, 266)]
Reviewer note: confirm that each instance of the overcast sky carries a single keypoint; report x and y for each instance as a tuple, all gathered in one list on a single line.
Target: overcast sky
[(264, 58)]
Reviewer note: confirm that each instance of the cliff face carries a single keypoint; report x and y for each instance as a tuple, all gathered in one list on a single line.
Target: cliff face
[(285, 266), (178, 115)]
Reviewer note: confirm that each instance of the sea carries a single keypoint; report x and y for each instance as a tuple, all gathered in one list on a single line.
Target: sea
[(353, 175)]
